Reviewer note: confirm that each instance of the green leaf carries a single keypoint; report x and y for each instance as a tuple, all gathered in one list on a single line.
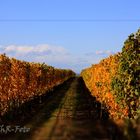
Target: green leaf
[(132, 103), (136, 92)]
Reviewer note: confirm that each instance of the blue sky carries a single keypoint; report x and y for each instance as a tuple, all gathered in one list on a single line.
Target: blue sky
[(66, 33)]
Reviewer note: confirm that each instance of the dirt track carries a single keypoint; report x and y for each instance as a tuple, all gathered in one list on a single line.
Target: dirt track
[(71, 113)]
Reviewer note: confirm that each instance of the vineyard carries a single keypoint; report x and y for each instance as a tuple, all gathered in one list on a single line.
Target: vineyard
[(22, 81), (115, 81), (92, 103)]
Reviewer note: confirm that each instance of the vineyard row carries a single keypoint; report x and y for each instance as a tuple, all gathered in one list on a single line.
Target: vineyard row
[(22, 81), (115, 81)]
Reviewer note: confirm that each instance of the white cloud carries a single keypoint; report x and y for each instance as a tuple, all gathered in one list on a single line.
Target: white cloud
[(26, 49), (107, 52), (100, 52), (40, 53), (18, 49)]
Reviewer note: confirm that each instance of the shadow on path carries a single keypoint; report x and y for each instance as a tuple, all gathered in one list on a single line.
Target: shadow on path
[(39, 112), (90, 121)]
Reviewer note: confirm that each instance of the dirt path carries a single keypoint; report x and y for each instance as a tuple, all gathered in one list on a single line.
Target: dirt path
[(70, 114)]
